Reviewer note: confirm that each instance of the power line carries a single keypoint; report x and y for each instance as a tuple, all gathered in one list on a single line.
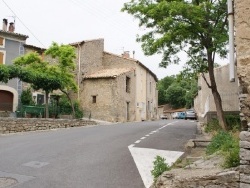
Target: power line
[(23, 24)]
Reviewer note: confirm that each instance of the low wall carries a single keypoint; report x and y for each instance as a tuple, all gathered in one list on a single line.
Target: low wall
[(210, 115), (13, 125), (226, 179)]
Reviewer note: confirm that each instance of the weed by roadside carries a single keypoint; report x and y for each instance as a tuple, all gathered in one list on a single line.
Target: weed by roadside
[(233, 123), (227, 145), (159, 167)]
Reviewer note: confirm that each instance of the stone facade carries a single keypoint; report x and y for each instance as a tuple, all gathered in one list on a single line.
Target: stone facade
[(14, 125), (242, 42), (103, 76), (204, 102), (113, 102)]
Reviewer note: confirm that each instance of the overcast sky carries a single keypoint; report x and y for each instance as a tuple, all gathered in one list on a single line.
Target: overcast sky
[(67, 21)]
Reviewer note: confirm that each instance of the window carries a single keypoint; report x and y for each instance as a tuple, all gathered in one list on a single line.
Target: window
[(93, 99), (2, 57), (40, 99), (127, 84), (2, 42)]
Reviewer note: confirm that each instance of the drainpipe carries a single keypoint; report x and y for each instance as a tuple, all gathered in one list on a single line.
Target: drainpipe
[(79, 71), (231, 40)]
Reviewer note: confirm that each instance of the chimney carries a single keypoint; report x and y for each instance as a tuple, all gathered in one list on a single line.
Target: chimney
[(5, 23), (11, 27), (125, 54)]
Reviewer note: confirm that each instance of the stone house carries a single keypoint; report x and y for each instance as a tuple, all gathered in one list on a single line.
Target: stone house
[(204, 102), (11, 46), (114, 87), (111, 87)]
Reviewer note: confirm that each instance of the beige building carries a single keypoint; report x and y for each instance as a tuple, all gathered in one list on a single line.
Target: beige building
[(114, 87), (204, 102)]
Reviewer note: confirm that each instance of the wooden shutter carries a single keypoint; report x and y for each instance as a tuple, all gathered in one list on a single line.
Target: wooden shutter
[(1, 41), (1, 57)]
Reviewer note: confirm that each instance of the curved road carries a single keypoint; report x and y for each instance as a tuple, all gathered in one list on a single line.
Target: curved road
[(104, 156)]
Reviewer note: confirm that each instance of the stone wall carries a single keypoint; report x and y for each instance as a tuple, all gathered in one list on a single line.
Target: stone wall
[(111, 98), (226, 179), (242, 43), (13, 125)]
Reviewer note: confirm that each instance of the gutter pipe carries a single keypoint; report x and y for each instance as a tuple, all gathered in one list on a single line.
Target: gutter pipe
[(231, 41)]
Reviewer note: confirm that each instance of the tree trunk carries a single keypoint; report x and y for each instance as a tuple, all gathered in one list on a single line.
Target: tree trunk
[(71, 103), (46, 104), (216, 95)]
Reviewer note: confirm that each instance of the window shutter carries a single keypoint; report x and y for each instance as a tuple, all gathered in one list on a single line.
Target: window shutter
[(1, 57), (1, 41)]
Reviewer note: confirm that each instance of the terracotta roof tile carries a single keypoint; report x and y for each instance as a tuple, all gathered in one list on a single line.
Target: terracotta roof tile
[(108, 73), (7, 33)]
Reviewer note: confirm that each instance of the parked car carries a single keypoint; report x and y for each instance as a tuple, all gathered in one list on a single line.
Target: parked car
[(181, 115), (190, 114), (163, 116), (174, 115)]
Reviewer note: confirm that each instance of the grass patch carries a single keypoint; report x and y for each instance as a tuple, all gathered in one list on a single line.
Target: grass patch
[(227, 145), (233, 123)]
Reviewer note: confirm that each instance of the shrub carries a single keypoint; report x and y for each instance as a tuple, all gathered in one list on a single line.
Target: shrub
[(233, 123), (228, 146), (159, 167), (65, 107), (231, 156), (78, 111), (212, 125), (26, 97), (218, 141)]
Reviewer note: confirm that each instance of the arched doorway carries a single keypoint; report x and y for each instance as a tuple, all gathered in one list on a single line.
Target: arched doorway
[(6, 100)]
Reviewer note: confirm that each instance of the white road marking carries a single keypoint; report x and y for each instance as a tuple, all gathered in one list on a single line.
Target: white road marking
[(35, 164), (143, 138), (144, 158), (138, 141), (132, 145), (151, 133), (147, 135)]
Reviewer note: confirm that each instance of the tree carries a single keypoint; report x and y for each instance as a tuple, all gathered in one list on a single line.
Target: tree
[(8, 72), (175, 95), (162, 86), (39, 74), (198, 27), (48, 76), (65, 56)]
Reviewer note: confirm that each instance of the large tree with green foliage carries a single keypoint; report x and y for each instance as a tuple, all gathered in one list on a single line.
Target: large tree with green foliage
[(175, 95), (49, 76), (162, 86), (65, 56), (198, 27)]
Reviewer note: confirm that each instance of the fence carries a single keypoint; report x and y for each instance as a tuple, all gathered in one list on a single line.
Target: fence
[(38, 111)]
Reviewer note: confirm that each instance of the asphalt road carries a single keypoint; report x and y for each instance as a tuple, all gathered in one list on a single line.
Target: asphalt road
[(86, 157)]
